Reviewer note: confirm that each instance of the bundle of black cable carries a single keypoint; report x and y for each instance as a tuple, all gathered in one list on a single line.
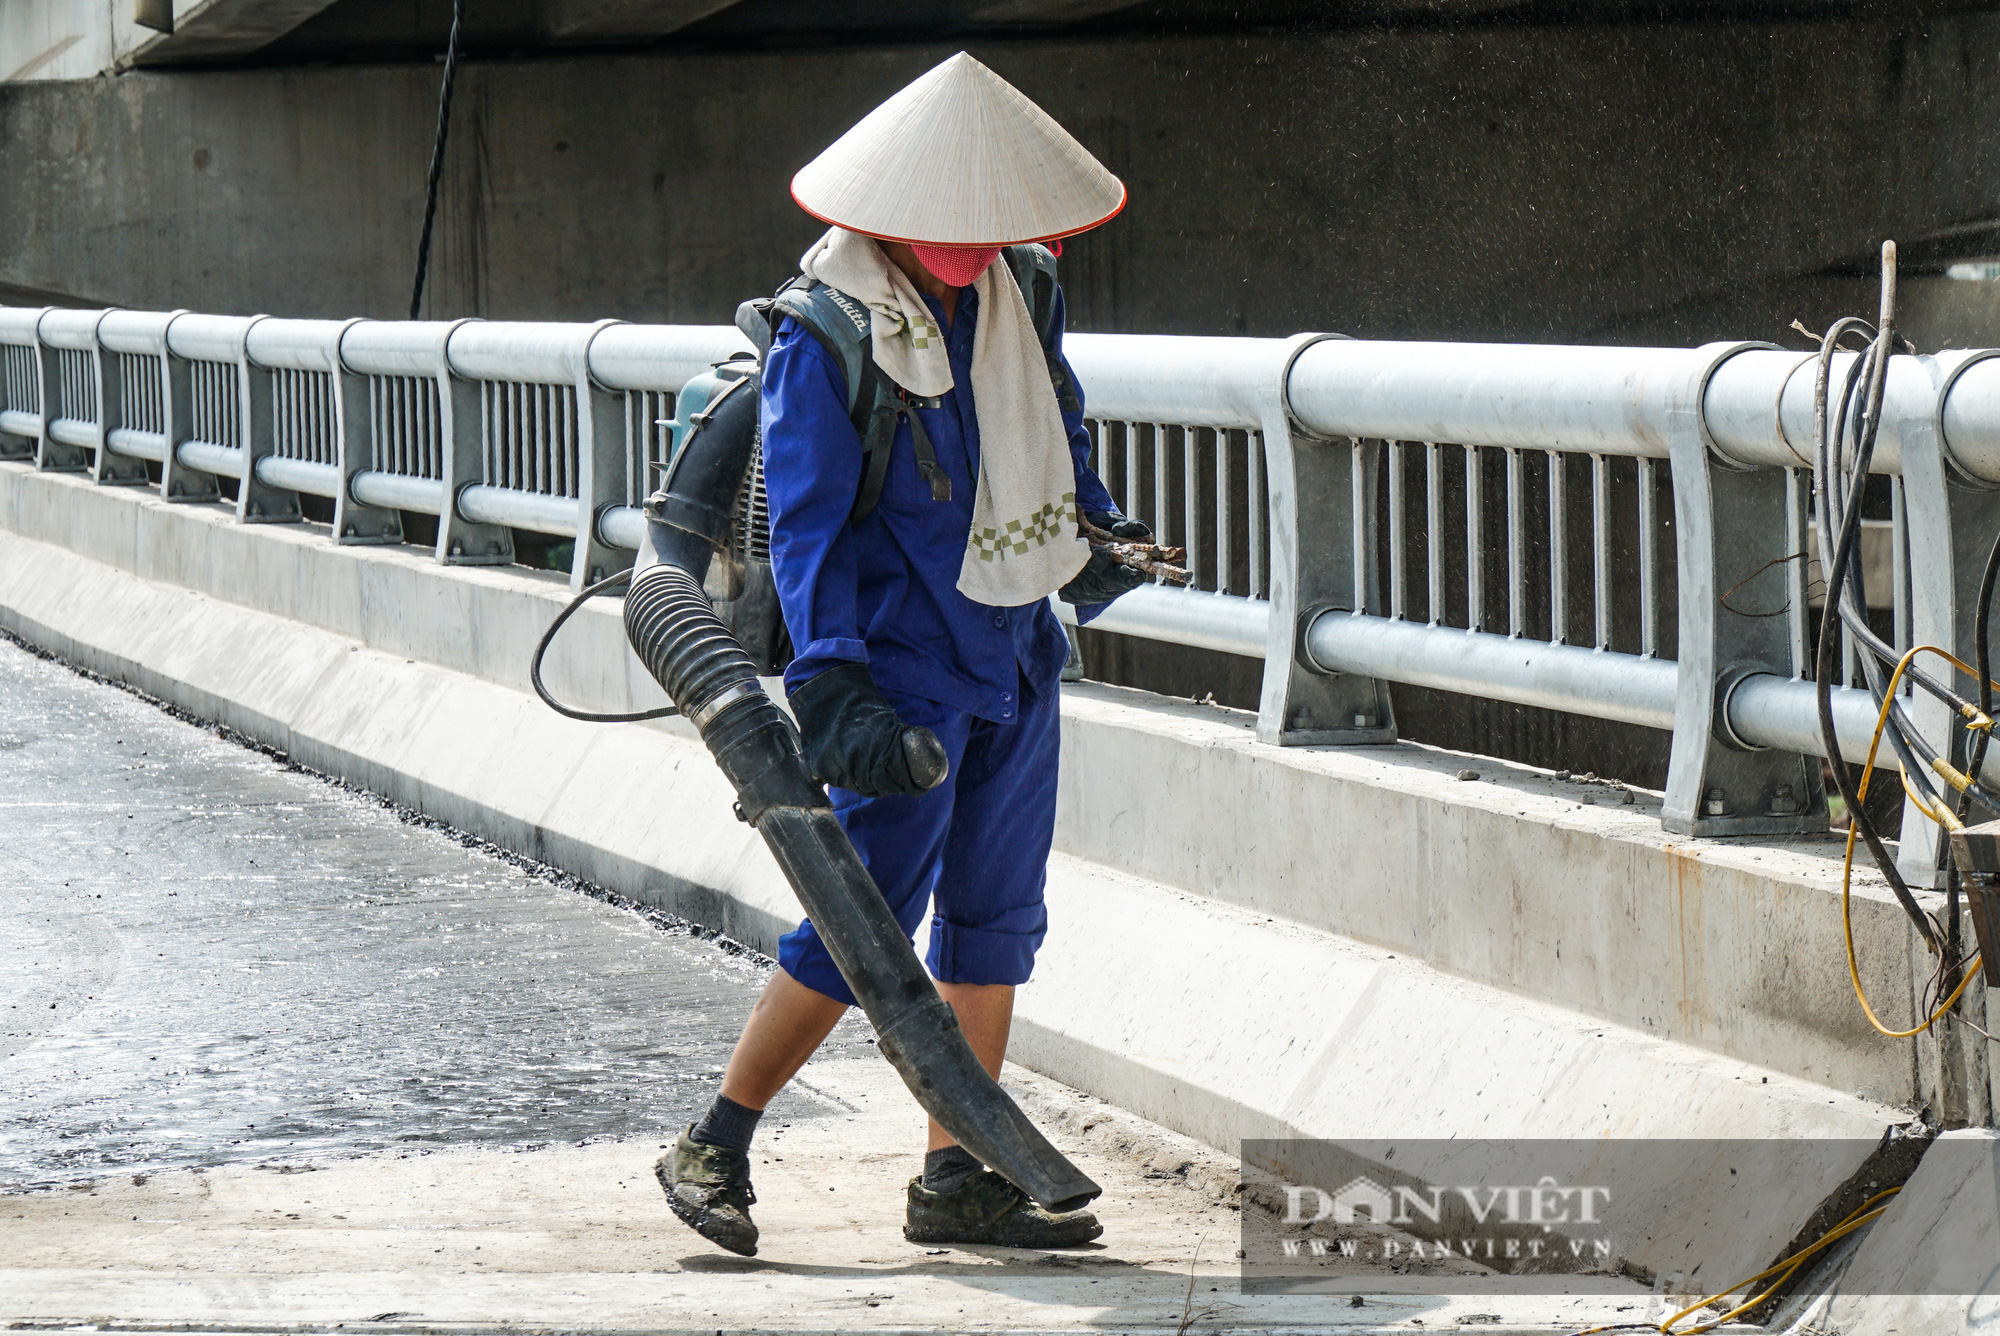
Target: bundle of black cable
[(1845, 427)]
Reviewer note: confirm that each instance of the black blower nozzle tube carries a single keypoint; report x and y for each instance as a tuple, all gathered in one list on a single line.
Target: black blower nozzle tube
[(677, 635)]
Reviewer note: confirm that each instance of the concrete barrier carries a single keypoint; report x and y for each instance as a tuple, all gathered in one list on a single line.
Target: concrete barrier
[(1931, 1264), (1246, 941)]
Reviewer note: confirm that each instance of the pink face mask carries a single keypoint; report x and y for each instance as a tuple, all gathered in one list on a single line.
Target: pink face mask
[(959, 266)]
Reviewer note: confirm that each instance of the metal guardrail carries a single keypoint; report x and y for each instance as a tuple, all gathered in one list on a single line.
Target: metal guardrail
[(1612, 532), (492, 427)]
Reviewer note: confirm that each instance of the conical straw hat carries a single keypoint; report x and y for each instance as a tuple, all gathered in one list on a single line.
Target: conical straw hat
[(959, 158)]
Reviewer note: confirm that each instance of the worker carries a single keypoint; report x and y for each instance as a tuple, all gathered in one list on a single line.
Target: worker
[(927, 656)]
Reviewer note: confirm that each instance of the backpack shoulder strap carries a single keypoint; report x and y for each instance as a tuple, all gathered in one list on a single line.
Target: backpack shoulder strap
[(1034, 268), (844, 327), (1035, 271), (840, 325)]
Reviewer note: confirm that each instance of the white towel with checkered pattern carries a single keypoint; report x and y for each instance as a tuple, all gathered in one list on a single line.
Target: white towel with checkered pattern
[(1024, 543)]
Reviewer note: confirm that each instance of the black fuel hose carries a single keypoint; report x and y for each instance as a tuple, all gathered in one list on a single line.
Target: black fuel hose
[(1838, 560), (678, 636), (1982, 627), (548, 638)]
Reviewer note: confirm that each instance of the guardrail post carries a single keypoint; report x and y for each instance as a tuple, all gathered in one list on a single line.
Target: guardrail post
[(603, 469), (354, 435), (1951, 518), (178, 482), (108, 468), (1313, 483), (257, 503), (1731, 542), (461, 542), (51, 455)]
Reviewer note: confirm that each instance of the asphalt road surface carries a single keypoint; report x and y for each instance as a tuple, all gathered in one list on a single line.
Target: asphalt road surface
[(214, 966), (210, 957)]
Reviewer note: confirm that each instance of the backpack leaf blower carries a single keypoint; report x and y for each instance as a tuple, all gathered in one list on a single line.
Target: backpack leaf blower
[(676, 632)]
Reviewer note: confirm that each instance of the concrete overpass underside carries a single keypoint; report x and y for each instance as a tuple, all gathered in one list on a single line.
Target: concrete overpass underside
[(1647, 183)]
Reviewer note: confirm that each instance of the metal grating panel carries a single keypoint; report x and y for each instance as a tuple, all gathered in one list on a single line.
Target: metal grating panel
[(1201, 488), (531, 438), (303, 416), (407, 425), (144, 392), (649, 440), (75, 384), (1545, 545), (216, 406), (20, 387)]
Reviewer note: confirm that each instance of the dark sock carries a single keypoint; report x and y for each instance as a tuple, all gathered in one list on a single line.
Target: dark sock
[(727, 1123), (946, 1170)]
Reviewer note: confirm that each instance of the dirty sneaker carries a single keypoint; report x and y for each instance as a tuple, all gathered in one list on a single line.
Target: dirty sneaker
[(986, 1208), (708, 1187)]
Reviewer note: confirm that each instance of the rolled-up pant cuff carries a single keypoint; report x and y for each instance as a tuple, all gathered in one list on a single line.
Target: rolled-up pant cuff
[(959, 954)]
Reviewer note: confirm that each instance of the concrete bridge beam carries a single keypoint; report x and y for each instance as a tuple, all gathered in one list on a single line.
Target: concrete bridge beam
[(1658, 184), (204, 29), (626, 18)]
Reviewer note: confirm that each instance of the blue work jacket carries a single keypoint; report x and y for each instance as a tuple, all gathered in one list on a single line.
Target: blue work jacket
[(884, 591)]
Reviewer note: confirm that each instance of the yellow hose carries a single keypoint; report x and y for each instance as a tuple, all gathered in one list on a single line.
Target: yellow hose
[(1856, 1218), (1948, 821)]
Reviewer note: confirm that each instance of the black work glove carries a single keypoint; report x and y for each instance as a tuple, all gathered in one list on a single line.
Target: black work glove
[(1102, 579), (853, 739), (1124, 529), (1105, 578)]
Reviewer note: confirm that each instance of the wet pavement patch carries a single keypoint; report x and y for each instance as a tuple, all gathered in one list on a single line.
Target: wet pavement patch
[(209, 956)]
